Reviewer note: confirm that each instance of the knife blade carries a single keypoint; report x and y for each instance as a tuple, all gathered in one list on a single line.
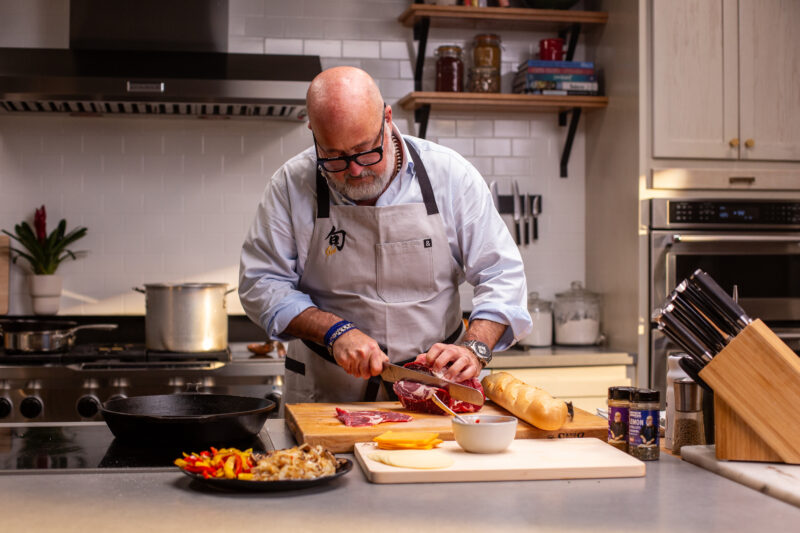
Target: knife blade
[(495, 195), (526, 216), (517, 210), (394, 373)]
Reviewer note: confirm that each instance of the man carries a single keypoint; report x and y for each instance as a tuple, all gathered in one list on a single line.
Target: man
[(359, 245), (618, 428)]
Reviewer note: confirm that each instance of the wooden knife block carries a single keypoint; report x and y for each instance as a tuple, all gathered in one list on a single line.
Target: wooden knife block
[(756, 382)]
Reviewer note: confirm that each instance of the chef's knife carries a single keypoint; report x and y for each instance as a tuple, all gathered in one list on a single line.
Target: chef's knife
[(698, 323), (393, 373), (720, 298), (526, 216), (536, 210), (495, 195), (517, 211)]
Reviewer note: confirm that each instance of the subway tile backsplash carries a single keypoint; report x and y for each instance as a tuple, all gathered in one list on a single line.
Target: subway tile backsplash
[(171, 199)]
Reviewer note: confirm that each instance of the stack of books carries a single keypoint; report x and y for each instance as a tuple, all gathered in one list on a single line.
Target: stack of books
[(556, 77)]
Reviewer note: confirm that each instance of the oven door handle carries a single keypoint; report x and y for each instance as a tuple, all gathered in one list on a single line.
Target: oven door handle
[(678, 238), (786, 336)]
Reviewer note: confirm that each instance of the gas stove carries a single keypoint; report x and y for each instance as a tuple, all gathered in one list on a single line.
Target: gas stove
[(72, 386)]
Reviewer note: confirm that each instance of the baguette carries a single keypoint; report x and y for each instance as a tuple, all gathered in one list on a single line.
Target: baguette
[(531, 404)]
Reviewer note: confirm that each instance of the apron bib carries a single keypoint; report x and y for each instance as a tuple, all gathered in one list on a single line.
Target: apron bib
[(388, 270)]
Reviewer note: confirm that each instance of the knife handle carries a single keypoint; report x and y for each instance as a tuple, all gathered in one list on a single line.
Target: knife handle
[(535, 228), (516, 233), (527, 234)]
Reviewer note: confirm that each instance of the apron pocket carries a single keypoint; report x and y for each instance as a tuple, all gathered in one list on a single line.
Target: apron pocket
[(405, 270)]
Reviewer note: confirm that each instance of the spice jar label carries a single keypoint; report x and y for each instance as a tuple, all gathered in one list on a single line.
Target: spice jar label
[(618, 427), (643, 434)]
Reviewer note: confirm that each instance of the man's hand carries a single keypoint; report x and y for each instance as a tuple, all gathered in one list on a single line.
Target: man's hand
[(359, 354), (453, 362)]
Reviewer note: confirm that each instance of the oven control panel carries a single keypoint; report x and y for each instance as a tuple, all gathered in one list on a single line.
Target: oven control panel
[(734, 212), (699, 213)]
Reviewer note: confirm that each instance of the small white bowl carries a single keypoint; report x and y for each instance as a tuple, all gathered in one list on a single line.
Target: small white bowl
[(485, 433)]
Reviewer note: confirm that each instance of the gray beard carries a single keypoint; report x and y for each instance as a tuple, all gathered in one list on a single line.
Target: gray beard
[(368, 191)]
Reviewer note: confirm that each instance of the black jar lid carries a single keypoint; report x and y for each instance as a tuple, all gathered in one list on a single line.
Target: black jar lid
[(645, 395), (619, 393)]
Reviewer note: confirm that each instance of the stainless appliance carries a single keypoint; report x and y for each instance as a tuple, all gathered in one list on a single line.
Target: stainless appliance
[(70, 386), (149, 57), (753, 245)]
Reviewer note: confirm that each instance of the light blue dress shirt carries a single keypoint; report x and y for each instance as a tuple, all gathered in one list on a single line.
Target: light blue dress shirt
[(276, 247)]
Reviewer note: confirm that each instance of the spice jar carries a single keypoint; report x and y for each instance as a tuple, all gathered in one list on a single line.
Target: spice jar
[(484, 80), (688, 429), (674, 372), (486, 51), (541, 312), (643, 420), (618, 407), (577, 316), (449, 69)]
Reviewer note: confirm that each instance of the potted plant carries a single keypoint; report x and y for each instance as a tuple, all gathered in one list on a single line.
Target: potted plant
[(44, 253)]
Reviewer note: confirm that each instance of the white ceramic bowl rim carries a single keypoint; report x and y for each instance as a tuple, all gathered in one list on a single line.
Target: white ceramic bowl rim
[(489, 420)]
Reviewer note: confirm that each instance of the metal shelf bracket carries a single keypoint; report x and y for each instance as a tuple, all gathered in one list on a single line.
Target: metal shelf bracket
[(421, 115), (573, 127)]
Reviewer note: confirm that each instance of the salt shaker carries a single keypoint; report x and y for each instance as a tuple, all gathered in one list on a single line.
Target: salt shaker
[(541, 312), (688, 429)]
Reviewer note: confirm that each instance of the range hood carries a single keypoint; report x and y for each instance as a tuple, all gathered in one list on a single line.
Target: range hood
[(153, 57)]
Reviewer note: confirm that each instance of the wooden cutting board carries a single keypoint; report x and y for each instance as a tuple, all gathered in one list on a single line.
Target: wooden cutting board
[(523, 460), (316, 423), (5, 254)]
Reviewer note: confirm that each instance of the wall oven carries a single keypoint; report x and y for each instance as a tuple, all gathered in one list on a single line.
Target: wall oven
[(751, 244)]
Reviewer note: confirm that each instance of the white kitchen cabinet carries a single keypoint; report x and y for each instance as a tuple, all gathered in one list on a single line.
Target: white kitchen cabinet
[(725, 79)]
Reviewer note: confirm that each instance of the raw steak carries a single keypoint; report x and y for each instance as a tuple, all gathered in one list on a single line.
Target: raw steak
[(369, 418), (416, 396)]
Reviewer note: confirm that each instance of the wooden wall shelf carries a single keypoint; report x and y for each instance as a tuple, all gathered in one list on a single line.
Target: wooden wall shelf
[(500, 102), (501, 17)]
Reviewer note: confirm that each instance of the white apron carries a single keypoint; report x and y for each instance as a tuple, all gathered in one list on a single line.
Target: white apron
[(388, 270)]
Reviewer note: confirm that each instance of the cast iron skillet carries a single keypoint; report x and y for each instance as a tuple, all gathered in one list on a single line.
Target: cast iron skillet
[(191, 419)]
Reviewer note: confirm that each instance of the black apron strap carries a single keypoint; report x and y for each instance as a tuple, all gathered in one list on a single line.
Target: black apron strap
[(323, 196), (424, 182)]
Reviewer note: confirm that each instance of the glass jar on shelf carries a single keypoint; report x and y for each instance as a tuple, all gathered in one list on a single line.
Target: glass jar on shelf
[(449, 69), (486, 51), (484, 80), (577, 316)]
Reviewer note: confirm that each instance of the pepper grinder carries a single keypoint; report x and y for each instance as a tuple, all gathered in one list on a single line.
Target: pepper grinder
[(688, 429)]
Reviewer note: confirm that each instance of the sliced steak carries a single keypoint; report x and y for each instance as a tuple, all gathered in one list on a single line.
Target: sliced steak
[(416, 396), (369, 418)]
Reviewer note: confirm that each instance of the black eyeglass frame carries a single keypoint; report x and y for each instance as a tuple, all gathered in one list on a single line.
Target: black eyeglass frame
[(322, 161)]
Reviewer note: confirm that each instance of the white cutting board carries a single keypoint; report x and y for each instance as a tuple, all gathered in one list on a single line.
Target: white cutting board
[(525, 459), (778, 480)]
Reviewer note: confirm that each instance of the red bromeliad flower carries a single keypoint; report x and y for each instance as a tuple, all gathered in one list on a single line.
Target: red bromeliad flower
[(40, 223)]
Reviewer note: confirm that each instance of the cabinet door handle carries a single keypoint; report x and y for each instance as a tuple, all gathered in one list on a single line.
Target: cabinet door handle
[(749, 143), (734, 142), (741, 180)]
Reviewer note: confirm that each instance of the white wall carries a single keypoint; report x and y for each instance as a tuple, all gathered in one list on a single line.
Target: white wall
[(170, 199)]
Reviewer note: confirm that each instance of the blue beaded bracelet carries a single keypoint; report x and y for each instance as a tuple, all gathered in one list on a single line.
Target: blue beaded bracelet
[(336, 331)]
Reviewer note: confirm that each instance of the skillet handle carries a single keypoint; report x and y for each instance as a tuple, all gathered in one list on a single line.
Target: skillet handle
[(107, 327)]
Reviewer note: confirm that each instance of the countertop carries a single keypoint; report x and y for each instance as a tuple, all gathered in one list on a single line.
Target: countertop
[(673, 496), (559, 356)]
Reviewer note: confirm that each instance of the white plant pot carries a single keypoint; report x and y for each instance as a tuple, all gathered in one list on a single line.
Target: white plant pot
[(46, 293)]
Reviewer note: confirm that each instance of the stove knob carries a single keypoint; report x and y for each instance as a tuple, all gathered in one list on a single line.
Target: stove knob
[(88, 406), (5, 407), (31, 407)]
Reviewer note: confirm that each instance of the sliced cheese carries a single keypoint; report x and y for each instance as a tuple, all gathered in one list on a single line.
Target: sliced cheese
[(406, 446), (407, 438), (419, 459)]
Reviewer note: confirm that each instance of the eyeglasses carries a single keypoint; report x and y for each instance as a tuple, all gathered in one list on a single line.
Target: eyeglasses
[(364, 159)]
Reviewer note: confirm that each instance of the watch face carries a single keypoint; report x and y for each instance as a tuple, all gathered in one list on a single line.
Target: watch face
[(480, 349)]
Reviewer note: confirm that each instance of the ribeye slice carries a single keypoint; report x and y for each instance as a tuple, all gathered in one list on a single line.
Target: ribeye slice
[(369, 418), (416, 396)]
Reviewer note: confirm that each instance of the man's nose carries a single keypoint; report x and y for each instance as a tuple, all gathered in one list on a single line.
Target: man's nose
[(355, 169)]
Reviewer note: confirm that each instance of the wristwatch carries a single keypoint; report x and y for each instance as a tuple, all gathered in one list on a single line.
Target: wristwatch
[(481, 351)]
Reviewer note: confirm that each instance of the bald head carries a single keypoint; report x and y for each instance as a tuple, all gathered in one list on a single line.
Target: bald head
[(342, 100)]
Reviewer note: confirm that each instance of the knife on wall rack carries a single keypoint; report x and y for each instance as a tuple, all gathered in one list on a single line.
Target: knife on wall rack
[(517, 212)]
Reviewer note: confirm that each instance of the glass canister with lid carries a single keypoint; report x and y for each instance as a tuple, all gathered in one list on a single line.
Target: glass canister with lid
[(541, 312), (577, 316), (449, 69), (486, 51)]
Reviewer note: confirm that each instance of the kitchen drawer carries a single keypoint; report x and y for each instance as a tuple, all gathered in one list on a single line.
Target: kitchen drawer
[(731, 180)]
